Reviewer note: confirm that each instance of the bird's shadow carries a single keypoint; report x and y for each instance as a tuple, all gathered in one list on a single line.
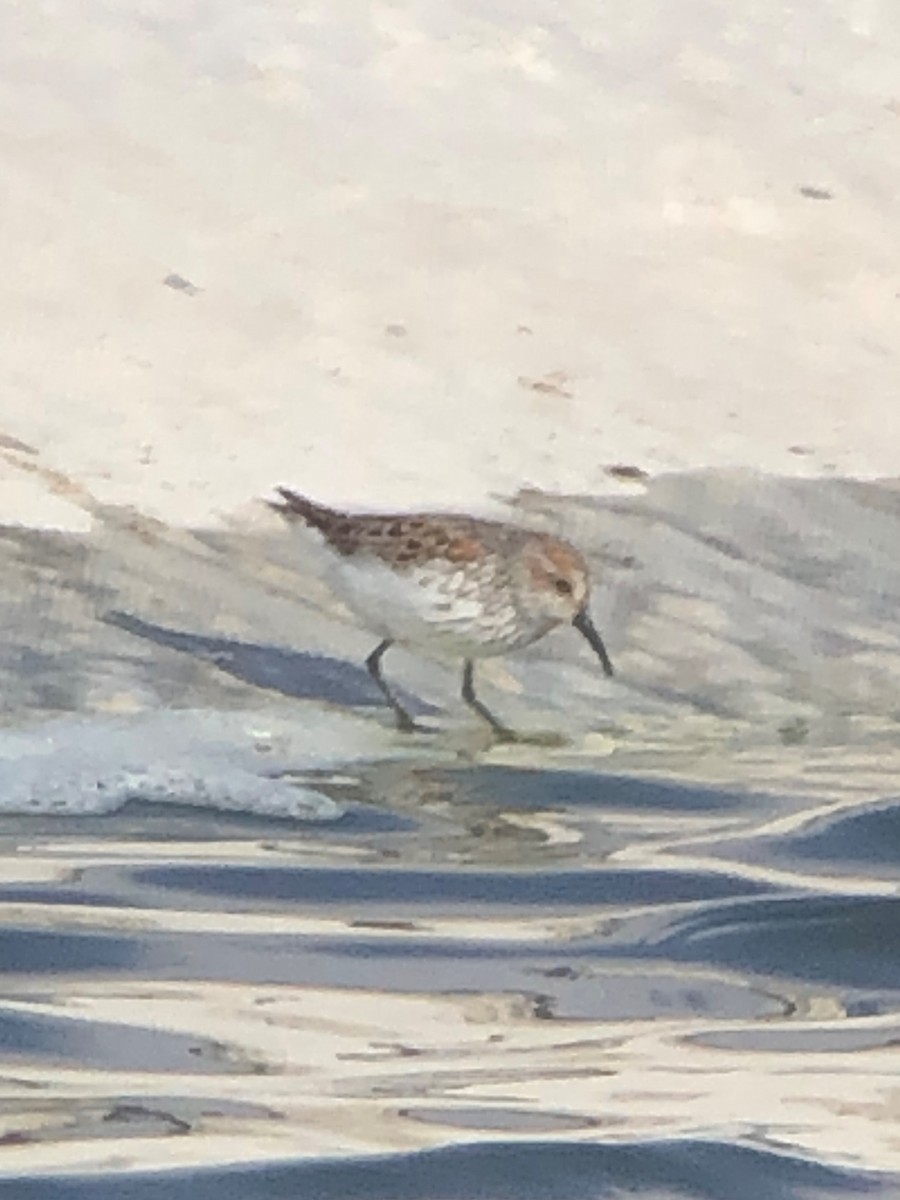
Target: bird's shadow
[(300, 675)]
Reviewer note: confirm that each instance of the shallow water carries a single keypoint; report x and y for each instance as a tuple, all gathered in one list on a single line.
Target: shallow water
[(658, 957), (523, 958)]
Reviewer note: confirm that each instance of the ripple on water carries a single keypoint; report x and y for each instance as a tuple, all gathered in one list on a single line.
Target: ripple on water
[(869, 836), (849, 941), (568, 945), (523, 789), (521, 1170), (99, 1045), (398, 887)]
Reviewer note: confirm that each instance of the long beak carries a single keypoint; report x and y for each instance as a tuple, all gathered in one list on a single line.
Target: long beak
[(585, 626)]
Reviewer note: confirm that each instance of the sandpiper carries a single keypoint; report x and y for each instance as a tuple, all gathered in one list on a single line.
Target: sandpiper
[(449, 586)]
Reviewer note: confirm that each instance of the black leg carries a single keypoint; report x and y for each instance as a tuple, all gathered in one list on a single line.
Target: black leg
[(468, 694), (373, 663)]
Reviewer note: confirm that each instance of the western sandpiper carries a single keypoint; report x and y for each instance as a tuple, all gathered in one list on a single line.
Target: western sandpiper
[(450, 586)]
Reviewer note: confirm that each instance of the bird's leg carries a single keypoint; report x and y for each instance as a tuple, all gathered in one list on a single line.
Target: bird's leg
[(373, 665), (468, 694)]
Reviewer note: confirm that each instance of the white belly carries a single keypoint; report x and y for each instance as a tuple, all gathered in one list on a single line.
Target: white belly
[(438, 614)]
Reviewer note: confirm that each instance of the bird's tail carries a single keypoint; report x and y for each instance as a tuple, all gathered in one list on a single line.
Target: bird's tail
[(294, 507)]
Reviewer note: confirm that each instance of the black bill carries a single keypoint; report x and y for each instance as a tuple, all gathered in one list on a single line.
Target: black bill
[(585, 626)]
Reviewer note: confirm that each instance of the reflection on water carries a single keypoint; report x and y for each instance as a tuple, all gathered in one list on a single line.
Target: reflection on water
[(658, 956)]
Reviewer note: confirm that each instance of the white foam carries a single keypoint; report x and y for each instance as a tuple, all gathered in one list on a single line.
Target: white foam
[(228, 761)]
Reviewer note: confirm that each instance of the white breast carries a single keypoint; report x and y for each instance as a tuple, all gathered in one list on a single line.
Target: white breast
[(437, 612)]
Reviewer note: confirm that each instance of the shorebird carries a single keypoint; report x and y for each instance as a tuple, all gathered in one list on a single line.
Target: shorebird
[(449, 586)]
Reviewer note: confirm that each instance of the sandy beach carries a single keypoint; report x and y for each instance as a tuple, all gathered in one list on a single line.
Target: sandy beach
[(428, 254)]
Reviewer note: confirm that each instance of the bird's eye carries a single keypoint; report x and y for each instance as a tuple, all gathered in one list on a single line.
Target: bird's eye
[(563, 587)]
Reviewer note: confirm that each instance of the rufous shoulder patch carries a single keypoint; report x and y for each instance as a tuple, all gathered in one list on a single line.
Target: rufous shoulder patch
[(463, 549)]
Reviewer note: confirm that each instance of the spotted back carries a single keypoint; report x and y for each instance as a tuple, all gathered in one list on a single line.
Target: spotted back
[(400, 540)]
